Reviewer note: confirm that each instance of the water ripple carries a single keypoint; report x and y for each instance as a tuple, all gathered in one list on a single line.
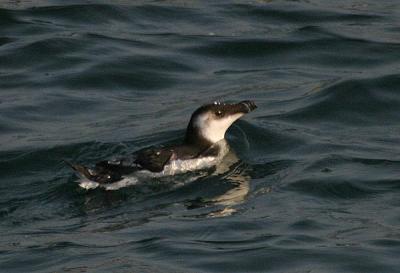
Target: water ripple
[(316, 189)]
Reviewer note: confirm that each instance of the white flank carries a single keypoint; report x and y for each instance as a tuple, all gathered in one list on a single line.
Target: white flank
[(174, 167)]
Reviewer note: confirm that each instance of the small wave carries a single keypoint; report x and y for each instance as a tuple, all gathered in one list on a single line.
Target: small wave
[(331, 188), (88, 14), (368, 103), (297, 14)]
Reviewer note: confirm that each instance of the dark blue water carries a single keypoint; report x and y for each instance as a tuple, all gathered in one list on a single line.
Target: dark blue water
[(318, 185)]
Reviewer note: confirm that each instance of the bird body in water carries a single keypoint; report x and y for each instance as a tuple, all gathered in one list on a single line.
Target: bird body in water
[(204, 146)]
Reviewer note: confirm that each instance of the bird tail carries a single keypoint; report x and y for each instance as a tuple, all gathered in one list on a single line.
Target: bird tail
[(80, 169)]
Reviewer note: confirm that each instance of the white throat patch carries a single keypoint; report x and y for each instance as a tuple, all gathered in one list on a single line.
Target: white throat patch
[(214, 129)]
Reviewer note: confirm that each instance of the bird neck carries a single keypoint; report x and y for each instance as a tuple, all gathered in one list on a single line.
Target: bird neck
[(194, 137)]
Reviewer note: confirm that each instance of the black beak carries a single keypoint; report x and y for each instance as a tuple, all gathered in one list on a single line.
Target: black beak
[(247, 106)]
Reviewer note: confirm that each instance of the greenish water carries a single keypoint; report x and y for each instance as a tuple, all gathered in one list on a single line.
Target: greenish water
[(316, 190)]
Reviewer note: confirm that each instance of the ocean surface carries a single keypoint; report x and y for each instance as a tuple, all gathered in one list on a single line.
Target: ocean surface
[(313, 184)]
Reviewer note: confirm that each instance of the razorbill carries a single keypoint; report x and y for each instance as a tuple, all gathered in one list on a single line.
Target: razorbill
[(204, 146)]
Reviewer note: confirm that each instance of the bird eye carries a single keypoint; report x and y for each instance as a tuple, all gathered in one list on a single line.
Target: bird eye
[(219, 113)]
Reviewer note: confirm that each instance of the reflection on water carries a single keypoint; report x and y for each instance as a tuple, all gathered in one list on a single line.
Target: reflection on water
[(234, 173)]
